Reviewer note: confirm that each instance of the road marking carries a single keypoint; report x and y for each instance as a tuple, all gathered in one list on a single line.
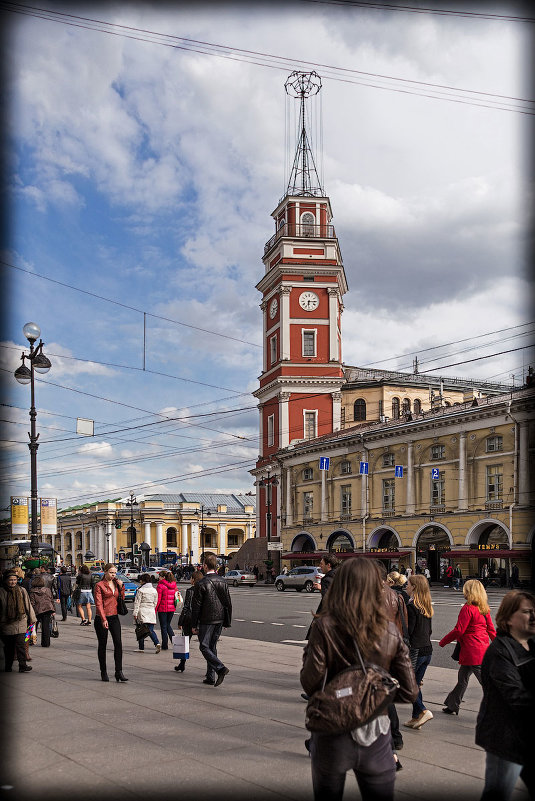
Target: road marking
[(239, 620), (297, 626), (257, 621), (277, 624), (295, 642)]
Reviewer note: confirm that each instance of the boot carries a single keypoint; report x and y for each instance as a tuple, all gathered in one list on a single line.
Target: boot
[(119, 676)]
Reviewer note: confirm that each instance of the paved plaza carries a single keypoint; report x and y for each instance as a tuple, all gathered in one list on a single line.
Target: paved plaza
[(67, 735)]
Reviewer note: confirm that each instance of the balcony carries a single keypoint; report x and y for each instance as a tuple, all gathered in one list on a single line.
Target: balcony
[(301, 230)]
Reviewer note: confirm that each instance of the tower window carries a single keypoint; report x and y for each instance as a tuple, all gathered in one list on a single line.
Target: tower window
[(310, 424), (309, 343), (271, 430), (359, 409), (273, 349), (307, 224)]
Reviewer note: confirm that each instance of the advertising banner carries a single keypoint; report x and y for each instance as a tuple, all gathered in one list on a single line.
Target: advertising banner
[(19, 518), (49, 525)]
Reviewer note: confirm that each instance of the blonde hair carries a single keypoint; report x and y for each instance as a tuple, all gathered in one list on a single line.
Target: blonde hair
[(396, 578), (421, 597), (475, 594)]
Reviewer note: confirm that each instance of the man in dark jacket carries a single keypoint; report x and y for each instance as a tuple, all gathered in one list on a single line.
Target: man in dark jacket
[(211, 610), (65, 590)]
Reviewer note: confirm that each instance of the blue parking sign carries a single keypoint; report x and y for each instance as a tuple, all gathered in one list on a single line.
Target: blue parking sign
[(363, 468), (399, 471), (324, 463), (435, 473)]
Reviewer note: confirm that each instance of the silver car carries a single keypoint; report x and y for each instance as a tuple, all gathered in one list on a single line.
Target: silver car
[(299, 579), (237, 577)]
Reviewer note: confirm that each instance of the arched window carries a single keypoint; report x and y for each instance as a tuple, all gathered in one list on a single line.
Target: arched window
[(417, 406), (359, 409), (395, 408), (171, 537), (307, 224), (406, 406)]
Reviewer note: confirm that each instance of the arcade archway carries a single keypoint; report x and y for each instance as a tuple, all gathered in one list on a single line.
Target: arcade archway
[(340, 542), (431, 543)]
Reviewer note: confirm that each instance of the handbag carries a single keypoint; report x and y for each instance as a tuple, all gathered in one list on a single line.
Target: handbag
[(69, 603), (179, 601), (180, 646), (142, 631), (122, 608), (456, 652), (54, 630), (76, 595), (356, 695)]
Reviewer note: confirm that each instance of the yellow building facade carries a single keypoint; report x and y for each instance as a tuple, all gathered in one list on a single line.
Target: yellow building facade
[(452, 486)]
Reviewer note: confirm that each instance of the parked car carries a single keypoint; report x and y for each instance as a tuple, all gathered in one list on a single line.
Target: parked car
[(299, 579), (130, 586), (131, 573), (237, 577)]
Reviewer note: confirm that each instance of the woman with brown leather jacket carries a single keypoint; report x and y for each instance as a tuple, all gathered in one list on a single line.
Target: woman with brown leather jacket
[(354, 612)]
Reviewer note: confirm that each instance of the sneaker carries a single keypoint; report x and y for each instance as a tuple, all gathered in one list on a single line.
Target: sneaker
[(423, 718), (158, 648)]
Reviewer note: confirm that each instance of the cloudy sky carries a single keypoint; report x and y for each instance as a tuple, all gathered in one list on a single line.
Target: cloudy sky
[(142, 173)]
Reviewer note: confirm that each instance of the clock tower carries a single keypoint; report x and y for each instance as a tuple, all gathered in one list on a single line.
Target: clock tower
[(302, 288)]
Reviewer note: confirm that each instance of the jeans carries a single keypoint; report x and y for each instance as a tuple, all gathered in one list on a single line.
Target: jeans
[(500, 778), (419, 672), (165, 619), (333, 755), (152, 635), (209, 634), (397, 738), (453, 699), (114, 627)]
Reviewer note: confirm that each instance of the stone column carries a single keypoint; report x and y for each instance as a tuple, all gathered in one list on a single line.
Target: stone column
[(285, 322), (113, 545), (289, 517), (260, 430), (159, 536), (184, 539), (248, 530), (222, 538), (263, 306), (333, 324), (324, 515), (410, 507), (284, 420), (62, 543), (463, 486), (337, 410), (195, 541), (523, 464), (146, 535)]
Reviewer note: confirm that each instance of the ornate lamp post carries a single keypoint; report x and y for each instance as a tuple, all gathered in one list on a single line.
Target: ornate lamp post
[(131, 503), (40, 363)]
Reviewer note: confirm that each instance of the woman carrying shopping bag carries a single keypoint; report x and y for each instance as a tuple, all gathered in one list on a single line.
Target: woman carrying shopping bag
[(473, 631), (184, 620), (145, 610)]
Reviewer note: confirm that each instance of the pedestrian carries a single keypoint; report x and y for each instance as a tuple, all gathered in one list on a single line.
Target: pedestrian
[(505, 722), (107, 592), (420, 612), (16, 616), (448, 576), (354, 612), (64, 590), (473, 630), (211, 611), (43, 603), (408, 572), (166, 606), (484, 574), (427, 574), (398, 582), (145, 610), (515, 577), (184, 620), (85, 598), (256, 571), (457, 577)]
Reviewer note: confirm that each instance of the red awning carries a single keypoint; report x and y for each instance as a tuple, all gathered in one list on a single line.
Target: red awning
[(486, 554), (315, 556)]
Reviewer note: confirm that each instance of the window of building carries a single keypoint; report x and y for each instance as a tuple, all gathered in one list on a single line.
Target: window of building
[(308, 505), (273, 349), (171, 537), (345, 501), (438, 451), (308, 474), (233, 540), (417, 406), (342, 416), (438, 497), (345, 468), (494, 482), (309, 343), (494, 444), (359, 409), (307, 224), (395, 408), (406, 406), (310, 421), (389, 494), (271, 430), (388, 460), (381, 409)]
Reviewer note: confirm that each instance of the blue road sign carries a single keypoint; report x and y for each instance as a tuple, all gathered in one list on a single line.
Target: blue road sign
[(399, 471), (364, 468), (435, 473), (324, 463)]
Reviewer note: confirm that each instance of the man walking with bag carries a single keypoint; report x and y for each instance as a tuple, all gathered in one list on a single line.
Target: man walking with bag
[(211, 611)]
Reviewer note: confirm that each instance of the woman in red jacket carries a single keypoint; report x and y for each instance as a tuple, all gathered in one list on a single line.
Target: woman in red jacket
[(166, 606), (472, 631), (106, 619)]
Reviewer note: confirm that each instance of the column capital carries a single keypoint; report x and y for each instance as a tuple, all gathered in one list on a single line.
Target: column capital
[(333, 292), (285, 290), (284, 396)]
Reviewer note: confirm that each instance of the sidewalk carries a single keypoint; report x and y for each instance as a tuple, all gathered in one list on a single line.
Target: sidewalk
[(163, 733)]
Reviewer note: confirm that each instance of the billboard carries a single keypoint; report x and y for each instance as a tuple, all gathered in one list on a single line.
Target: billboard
[(49, 525), (19, 518)]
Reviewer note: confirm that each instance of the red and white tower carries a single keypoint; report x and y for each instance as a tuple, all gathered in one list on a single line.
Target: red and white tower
[(302, 288)]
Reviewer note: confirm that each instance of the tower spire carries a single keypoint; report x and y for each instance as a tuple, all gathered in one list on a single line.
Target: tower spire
[(304, 178)]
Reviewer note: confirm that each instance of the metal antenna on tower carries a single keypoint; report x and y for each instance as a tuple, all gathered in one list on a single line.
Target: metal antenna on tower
[(304, 178)]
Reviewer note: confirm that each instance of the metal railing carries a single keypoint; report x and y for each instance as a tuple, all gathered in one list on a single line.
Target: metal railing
[(301, 230)]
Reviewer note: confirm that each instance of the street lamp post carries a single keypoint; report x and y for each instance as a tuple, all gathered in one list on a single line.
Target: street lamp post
[(208, 514), (131, 503), (40, 363), (268, 482)]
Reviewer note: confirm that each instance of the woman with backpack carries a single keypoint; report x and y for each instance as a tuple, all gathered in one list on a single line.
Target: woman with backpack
[(354, 617), (473, 632)]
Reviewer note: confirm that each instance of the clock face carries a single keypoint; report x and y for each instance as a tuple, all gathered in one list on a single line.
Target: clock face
[(274, 305), (309, 301)]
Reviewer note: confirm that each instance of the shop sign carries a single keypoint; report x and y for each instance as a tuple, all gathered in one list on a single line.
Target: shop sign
[(19, 517), (492, 547)]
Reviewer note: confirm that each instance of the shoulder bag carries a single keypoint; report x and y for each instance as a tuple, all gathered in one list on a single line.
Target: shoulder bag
[(356, 695), (456, 652), (54, 630), (122, 608)]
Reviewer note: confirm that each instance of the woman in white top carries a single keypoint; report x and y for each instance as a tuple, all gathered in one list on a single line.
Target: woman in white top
[(145, 610)]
